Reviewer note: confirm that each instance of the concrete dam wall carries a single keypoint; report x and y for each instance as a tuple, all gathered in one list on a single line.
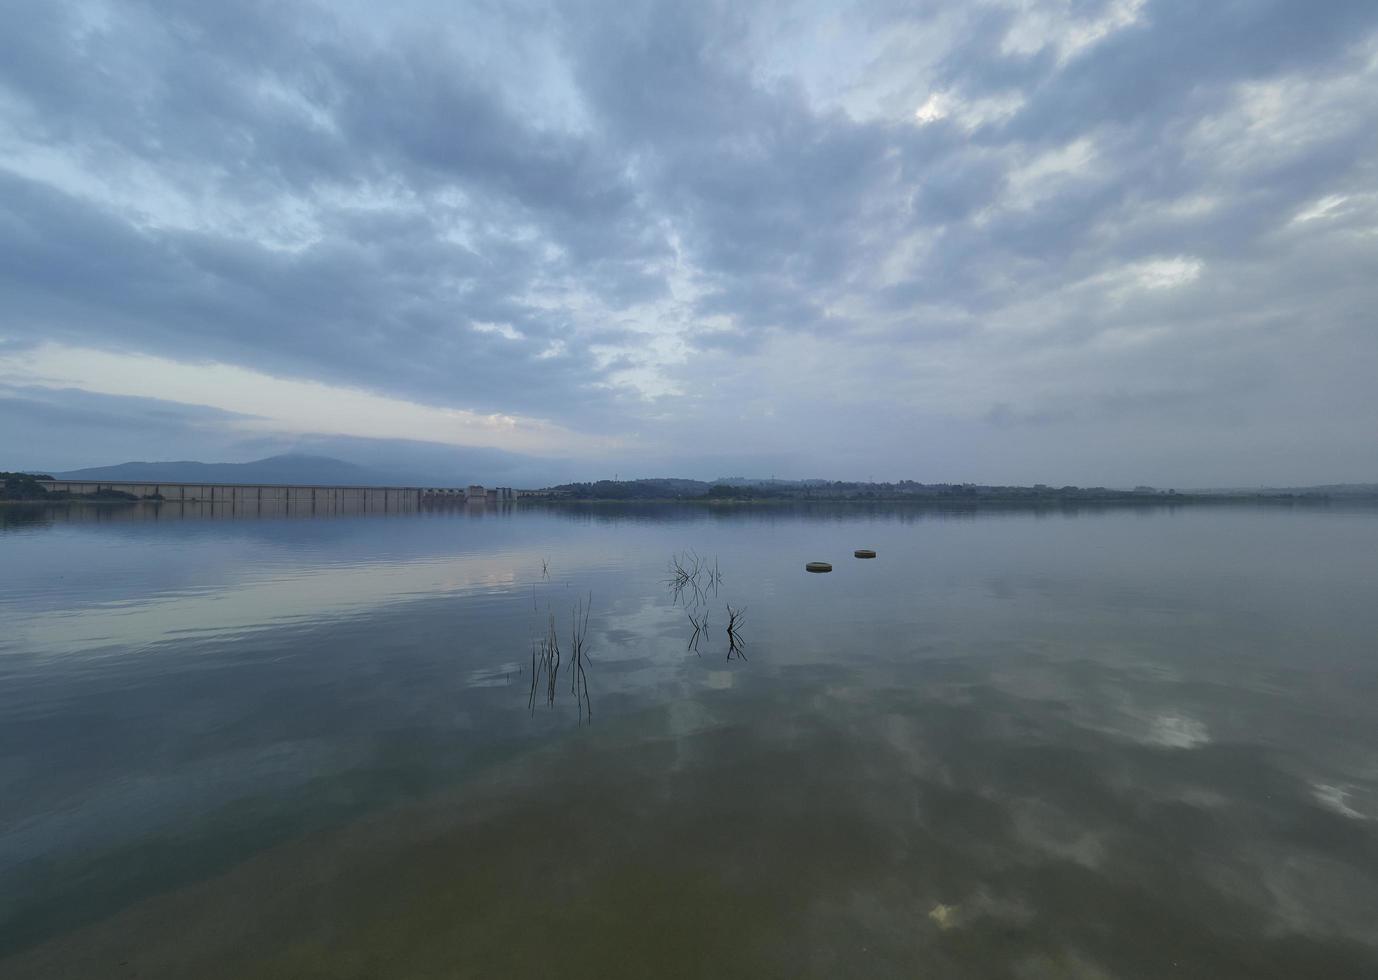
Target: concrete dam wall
[(237, 498)]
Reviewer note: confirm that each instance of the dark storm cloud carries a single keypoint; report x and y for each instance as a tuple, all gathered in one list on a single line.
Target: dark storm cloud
[(56, 429), (614, 215), (70, 406)]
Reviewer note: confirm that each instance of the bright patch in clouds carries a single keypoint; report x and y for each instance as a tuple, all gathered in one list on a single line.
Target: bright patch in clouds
[(968, 113), (284, 405), (1323, 208), (1046, 172), (501, 329), (935, 107), (1051, 25), (1166, 273)]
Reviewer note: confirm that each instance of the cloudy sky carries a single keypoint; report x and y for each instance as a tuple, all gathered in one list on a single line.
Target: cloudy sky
[(1066, 241)]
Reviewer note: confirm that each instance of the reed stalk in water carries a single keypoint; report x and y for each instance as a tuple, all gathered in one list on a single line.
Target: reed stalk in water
[(578, 679)]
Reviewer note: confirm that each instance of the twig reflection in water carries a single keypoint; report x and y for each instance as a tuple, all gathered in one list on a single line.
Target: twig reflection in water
[(694, 581), (690, 572), (735, 643), (700, 624)]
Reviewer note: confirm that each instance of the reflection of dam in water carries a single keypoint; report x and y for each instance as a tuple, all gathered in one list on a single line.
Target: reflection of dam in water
[(249, 500)]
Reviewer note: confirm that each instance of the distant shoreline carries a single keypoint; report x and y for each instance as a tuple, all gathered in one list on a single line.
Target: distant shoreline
[(953, 501), (1128, 499)]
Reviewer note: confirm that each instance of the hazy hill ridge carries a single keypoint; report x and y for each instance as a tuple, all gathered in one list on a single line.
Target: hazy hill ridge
[(300, 469)]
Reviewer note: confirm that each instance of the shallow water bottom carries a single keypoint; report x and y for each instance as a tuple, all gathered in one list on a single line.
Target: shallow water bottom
[(941, 829)]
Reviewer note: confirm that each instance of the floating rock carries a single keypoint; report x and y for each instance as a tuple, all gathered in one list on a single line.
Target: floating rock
[(818, 566), (864, 553)]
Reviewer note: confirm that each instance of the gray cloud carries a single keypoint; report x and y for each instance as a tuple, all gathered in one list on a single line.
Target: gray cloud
[(669, 222)]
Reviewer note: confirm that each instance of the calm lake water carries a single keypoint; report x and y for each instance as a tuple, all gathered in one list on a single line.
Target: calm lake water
[(1100, 743)]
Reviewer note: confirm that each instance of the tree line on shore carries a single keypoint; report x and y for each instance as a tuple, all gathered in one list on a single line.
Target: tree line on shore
[(26, 486), (742, 489)]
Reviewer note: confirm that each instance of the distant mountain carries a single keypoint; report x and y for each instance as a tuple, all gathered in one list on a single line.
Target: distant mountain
[(413, 465), (393, 463), (410, 463), (291, 468)]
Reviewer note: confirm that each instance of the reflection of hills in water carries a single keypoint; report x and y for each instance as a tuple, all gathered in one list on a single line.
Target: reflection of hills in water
[(323, 506), (901, 512)]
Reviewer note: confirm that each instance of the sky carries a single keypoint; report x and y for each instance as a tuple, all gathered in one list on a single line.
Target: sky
[(1101, 242)]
